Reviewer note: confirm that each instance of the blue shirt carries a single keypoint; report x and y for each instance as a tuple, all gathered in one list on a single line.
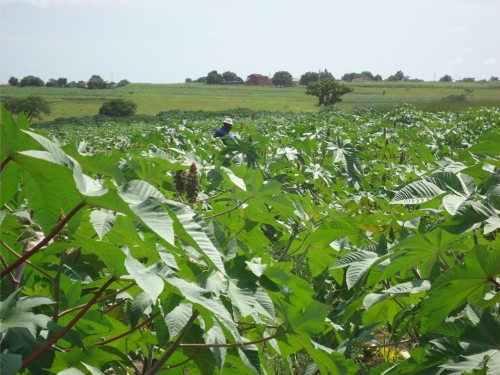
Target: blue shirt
[(222, 132)]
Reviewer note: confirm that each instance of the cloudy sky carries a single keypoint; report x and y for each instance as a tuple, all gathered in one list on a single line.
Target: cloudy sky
[(166, 41)]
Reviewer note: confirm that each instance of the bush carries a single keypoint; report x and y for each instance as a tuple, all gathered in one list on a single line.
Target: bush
[(123, 82), (188, 80), (118, 108)]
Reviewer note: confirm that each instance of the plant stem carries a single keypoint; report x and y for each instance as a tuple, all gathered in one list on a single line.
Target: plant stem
[(4, 163), (27, 262), (62, 332), (215, 196), (233, 345), (231, 209), (238, 232), (285, 252), (387, 345), (127, 332), (97, 301), (5, 265), (19, 270), (175, 345), (476, 242), (43, 242), (57, 294)]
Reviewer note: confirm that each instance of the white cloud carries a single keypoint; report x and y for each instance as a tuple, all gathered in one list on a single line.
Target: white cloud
[(490, 62)]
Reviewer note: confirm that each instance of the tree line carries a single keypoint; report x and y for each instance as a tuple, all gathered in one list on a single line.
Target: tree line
[(95, 82)]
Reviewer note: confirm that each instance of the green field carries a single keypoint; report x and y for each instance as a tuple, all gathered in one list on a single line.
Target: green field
[(154, 98)]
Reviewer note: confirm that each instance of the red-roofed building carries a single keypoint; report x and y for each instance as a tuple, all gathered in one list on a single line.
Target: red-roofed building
[(258, 80)]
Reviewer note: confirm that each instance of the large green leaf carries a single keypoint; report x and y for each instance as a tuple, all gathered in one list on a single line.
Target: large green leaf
[(146, 278), (10, 364), (461, 283)]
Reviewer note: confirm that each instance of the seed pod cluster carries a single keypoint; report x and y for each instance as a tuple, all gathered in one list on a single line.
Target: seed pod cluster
[(402, 157), (392, 234), (250, 138), (328, 132), (180, 181), (192, 185)]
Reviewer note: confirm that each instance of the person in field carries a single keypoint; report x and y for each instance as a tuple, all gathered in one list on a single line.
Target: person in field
[(227, 125)]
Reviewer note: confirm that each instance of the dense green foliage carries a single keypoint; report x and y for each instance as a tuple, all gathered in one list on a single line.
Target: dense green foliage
[(282, 79), (327, 91), (118, 108), (96, 82), (445, 78), (213, 78), (308, 77), (348, 77), (343, 243), (32, 106), (31, 81), (13, 81)]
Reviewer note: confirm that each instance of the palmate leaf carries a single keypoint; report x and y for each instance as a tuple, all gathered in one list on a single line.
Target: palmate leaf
[(359, 263), (146, 278), (417, 192), (9, 182), (138, 307), (423, 251), (103, 221), (461, 283)]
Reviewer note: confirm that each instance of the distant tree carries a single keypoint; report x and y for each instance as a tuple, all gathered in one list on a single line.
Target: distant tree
[(468, 79), (367, 74), (33, 106), (188, 80), (61, 82), (122, 83), (348, 77), (96, 82), (445, 78), (399, 76), (282, 78), (202, 80), (230, 76), (327, 91), (51, 83), (378, 78), (214, 78), (308, 77), (81, 84), (118, 108), (71, 84), (492, 79), (13, 81), (31, 81), (325, 74)]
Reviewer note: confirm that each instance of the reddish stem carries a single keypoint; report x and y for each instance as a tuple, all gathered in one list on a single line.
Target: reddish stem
[(62, 332), (43, 242)]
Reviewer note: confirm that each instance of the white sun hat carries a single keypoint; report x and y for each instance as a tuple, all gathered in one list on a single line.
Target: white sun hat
[(228, 120)]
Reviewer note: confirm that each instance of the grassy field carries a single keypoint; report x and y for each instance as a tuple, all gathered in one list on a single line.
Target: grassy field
[(154, 98)]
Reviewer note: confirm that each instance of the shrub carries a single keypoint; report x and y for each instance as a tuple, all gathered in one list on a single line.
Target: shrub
[(33, 106), (13, 81), (31, 81), (123, 82), (118, 108)]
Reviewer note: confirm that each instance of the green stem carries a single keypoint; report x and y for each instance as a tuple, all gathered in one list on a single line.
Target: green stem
[(231, 209), (57, 294), (62, 332), (215, 196), (43, 242), (285, 252), (175, 345), (388, 345), (5, 265), (233, 345)]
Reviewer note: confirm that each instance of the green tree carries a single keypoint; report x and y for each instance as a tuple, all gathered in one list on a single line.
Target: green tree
[(378, 78), (325, 74), (399, 76), (118, 108), (51, 83), (188, 80), (493, 79), (31, 81), (327, 91), (96, 82), (282, 78), (308, 77), (71, 84), (13, 81), (123, 82), (214, 78), (33, 106), (468, 79), (202, 80), (230, 76), (445, 78), (61, 82)]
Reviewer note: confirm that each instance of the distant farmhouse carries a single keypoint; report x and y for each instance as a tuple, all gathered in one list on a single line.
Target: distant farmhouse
[(258, 80), (363, 79)]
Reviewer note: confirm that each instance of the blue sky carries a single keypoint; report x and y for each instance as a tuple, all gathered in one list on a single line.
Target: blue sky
[(166, 41)]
